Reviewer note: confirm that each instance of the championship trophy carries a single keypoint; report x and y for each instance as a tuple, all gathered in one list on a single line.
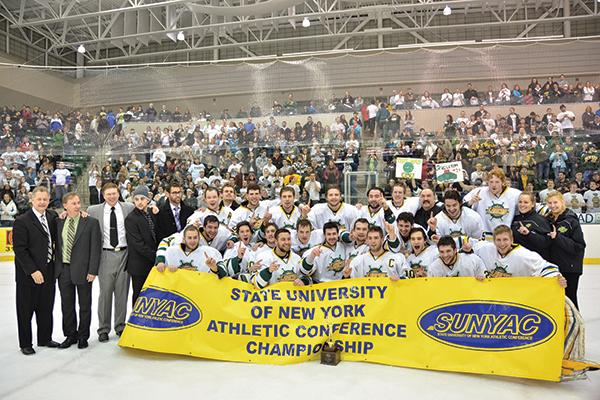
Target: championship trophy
[(331, 354)]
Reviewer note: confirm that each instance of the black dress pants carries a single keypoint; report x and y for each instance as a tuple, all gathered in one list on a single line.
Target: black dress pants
[(67, 297), (38, 300)]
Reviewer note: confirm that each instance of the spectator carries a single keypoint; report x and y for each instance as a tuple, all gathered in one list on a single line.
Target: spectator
[(8, 210)]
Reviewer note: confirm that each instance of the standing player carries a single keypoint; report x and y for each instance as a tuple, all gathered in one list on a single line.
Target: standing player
[(252, 210), (214, 207), (326, 262), (356, 240), (377, 262), (398, 240), (280, 264), (496, 203), (422, 255), (334, 210), (305, 237), (377, 211), (451, 263), (456, 220), (287, 214), (399, 203)]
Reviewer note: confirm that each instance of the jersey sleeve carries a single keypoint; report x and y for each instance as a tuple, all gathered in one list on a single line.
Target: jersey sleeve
[(539, 266)]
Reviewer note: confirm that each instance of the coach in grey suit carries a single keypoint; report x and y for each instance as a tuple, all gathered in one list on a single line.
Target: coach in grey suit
[(77, 261), (112, 274)]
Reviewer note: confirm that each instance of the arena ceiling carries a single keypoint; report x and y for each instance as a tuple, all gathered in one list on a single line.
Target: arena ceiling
[(143, 31)]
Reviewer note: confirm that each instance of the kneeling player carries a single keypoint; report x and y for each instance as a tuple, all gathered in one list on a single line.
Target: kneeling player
[(189, 255), (451, 263), (281, 265), (422, 255), (377, 262)]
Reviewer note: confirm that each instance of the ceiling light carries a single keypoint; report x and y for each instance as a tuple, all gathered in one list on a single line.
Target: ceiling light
[(447, 11), (180, 36), (81, 49), (306, 22)]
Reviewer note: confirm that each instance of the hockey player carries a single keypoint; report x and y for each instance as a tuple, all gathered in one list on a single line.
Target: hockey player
[(248, 264), (377, 211), (213, 234), (356, 240), (305, 237), (400, 203), (496, 203), (422, 255), (455, 220), (398, 241), (280, 264), (251, 210), (503, 258), (326, 262), (334, 210), (190, 255), (286, 215), (377, 262), (212, 198), (451, 263)]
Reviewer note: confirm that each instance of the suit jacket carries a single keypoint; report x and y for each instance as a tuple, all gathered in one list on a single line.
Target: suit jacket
[(30, 244), (140, 243), (166, 222), (97, 211), (95, 196), (86, 251)]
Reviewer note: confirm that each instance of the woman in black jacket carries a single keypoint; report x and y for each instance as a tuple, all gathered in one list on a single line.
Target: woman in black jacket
[(567, 246), (530, 229)]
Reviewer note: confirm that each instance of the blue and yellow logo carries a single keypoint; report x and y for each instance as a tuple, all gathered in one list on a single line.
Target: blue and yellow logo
[(163, 310), (487, 325)]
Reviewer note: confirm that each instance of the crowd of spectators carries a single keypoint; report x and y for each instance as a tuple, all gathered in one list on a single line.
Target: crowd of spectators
[(202, 150)]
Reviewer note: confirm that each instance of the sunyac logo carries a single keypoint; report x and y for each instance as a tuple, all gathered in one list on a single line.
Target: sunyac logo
[(487, 325), (163, 310)]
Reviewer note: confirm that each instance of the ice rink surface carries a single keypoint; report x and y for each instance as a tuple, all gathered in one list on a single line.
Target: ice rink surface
[(105, 371)]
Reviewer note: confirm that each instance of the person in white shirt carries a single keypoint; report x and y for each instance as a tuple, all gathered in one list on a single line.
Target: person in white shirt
[(592, 198), (159, 158), (458, 99), (313, 187), (574, 200), (451, 263), (455, 220), (504, 95), (566, 119), (334, 210), (372, 111), (446, 100), (543, 194), (61, 177), (588, 91)]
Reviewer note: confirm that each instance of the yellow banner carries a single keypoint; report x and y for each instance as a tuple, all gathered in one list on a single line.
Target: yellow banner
[(502, 326), (6, 245)]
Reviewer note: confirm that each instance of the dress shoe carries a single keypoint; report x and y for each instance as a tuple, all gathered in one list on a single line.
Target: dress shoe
[(51, 344), (103, 337), (28, 351), (82, 344), (67, 343)]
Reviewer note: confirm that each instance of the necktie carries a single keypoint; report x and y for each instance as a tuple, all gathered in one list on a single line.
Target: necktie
[(49, 247), (150, 224), (70, 240), (114, 233), (176, 216)]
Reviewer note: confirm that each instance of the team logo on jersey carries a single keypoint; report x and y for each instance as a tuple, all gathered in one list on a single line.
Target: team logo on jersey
[(187, 265), (376, 273), (499, 271), (487, 325), (417, 270), (336, 265), (288, 276), (164, 310), (456, 233), (596, 201), (574, 202), (497, 210)]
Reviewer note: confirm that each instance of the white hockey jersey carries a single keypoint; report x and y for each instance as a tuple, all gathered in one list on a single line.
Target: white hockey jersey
[(328, 266), (377, 218), (344, 216), (592, 200), (411, 205), (194, 260), (387, 264), (418, 265), (171, 240), (468, 224), (224, 215), (316, 238), (288, 271), (284, 220), (465, 265), (243, 213), (495, 210), (518, 262), (219, 242)]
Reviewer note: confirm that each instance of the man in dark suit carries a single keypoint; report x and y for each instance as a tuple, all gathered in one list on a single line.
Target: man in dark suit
[(78, 249), (96, 196), (140, 228), (34, 236), (173, 215)]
